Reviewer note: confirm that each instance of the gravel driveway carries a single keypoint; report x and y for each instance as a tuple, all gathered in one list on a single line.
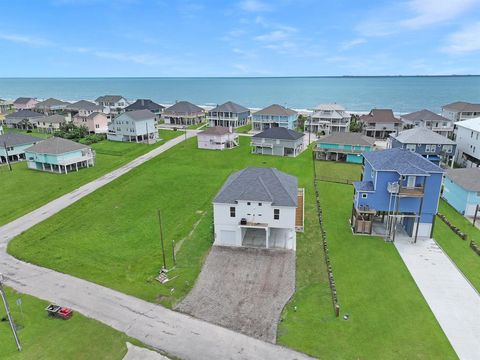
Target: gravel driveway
[(243, 289)]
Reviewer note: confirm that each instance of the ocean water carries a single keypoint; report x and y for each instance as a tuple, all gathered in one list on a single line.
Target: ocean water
[(402, 94)]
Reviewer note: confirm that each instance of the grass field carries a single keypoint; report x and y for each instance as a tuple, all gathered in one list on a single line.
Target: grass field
[(112, 238), (23, 190), (43, 337), (459, 250), (244, 129), (33, 133)]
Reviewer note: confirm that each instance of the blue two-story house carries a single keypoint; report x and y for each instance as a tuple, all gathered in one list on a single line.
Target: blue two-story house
[(435, 147), (274, 116), (461, 189), (399, 193)]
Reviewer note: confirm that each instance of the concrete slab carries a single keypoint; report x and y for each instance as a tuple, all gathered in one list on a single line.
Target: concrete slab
[(243, 289), (138, 353), (453, 300)]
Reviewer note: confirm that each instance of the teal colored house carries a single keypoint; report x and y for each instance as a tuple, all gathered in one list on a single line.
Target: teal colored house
[(461, 189), (342, 146), (274, 116), (59, 155), (13, 145)]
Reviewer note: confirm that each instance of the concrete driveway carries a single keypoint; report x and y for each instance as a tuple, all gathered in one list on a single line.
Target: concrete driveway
[(243, 289)]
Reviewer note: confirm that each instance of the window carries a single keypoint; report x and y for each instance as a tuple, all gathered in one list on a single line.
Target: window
[(430, 148), (411, 147), (364, 195), (448, 148), (232, 211), (259, 204), (97, 126), (276, 214), (248, 203), (411, 181)]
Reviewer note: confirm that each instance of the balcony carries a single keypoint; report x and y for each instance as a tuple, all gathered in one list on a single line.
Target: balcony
[(416, 191)]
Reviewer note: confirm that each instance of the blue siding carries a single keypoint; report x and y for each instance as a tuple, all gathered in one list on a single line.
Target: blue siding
[(455, 195)]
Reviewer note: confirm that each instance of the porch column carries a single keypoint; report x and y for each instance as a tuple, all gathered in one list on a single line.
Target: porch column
[(266, 237), (76, 166), (59, 169)]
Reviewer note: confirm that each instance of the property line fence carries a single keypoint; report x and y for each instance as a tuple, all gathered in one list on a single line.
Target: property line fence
[(331, 279), (455, 229), (474, 246), (335, 180)]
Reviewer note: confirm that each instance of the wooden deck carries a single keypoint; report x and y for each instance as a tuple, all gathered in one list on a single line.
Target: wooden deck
[(299, 215)]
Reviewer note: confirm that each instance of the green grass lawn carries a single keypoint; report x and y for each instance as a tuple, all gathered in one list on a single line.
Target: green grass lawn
[(111, 237), (33, 133), (389, 319), (23, 190), (43, 337), (244, 129), (195, 126), (459, 250)]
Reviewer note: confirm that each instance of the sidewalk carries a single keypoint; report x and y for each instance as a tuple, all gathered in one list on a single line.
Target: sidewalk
[(452, 299)]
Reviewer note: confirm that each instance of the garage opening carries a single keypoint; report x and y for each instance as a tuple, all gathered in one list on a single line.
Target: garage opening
[(254, 237)]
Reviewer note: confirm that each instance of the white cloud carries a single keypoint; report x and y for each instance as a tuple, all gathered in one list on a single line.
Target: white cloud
[(254, 6), (352, 43), (464, 41), (25, 39), (280, 33)]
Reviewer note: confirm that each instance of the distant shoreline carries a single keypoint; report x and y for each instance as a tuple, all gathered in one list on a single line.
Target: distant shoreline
[(240, 77)]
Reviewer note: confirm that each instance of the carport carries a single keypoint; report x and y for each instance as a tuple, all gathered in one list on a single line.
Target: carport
[(259, 236)]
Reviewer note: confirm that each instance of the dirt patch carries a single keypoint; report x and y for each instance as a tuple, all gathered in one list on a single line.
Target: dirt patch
[(243, 289)]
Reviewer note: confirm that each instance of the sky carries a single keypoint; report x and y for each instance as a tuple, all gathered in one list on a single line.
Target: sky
[(123, 38)]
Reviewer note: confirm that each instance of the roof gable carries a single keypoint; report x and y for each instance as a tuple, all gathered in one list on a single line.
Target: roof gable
[(142, 104), (421, 135), (230, 106), (279, 133), (14, 139), (56, 146), (276, 110), (423, 115), (382, 116), (467, 178), (138, 115), (347, 138), (184, 107)]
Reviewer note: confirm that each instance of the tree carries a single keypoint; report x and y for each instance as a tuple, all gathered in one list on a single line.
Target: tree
[(355, 124), (301, 122), (72, 131)]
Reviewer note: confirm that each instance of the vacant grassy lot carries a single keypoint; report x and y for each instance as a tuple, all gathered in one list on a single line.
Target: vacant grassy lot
[(33, 133), (111, 237), (47, 338), (23, 190), (331, 170), (459, 250), (389, 318), (244, 129)]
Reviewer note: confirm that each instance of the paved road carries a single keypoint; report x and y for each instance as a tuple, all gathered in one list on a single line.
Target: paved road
[(453, 300), (154, 325)]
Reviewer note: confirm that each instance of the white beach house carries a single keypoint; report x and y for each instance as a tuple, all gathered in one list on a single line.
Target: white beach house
[(217, 138)]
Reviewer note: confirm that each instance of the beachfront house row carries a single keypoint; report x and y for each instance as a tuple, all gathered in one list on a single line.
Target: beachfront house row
[(429, 120), (258, 207), (49, 124), (467, 137), (95, 122), (431, 145), (278, 141), (133, 126), (398, 195), (380, 123), (274, 116), (229, 114), (82, 108), (461, 110), (344, 146), (12, 146), (112, 104), (24, 103), (217, 138), (147, 104), (23, 119), (59, 155), (327, 119), (6, 106), (461, 189), (184, 113), (51, 106)]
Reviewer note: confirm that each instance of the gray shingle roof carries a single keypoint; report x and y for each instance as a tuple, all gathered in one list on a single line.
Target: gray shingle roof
[(462, 106), (138, 115), (381, 116), (13, 139), (215, 130), (421, 135), (93, 114), (347, 138), (230, 106), (468, 178), (184, 107), (405, 162), (276, 110), (53, 119), (47, 104), (423, 115), (84, 105), (18, 116), (259, 184), (363, 185), (142, 104), (279, 133), (23, 100), (56, 146), (109, 98)]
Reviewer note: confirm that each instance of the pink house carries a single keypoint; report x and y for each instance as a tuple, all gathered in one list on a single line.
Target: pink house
[(96, 122), (25, 103)]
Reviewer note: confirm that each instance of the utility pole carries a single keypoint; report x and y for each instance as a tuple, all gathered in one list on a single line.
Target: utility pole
[(10, 319), (161, 239), (477, 209), (6, 155)]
